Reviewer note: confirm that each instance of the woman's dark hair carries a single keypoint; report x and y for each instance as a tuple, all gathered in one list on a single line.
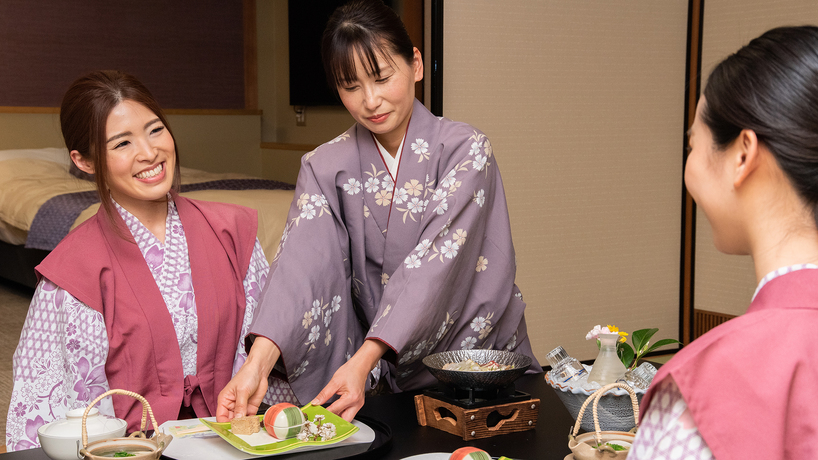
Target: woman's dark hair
[(770, 86), (84, 116), (368, 27)]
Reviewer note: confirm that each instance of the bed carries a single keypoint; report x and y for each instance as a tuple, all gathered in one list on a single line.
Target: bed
[(34, 184)]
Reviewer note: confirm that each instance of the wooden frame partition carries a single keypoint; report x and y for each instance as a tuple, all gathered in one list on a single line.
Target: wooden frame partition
[(437, 58), (250, 56), (693, 69)]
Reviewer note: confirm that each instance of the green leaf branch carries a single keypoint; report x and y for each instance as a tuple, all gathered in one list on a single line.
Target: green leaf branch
[(630, 356)]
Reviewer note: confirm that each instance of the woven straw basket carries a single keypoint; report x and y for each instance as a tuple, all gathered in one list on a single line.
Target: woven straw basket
[(581, 445), (136, 444)]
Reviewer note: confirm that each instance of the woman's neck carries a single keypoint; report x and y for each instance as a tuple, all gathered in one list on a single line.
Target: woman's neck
[(783, 233), (391, 141), (152, 214), (783, 247)]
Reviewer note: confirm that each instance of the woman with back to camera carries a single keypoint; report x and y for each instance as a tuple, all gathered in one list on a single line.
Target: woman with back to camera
[(153, 294), (747, 388), (398, 243)]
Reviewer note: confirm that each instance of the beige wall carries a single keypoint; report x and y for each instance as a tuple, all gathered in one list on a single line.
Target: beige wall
[(218, 143), (583, 102), (30, 130), (725, 283)]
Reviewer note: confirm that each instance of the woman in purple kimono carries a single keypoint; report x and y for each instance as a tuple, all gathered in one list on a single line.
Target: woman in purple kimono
[(398, 243), (154, 294), (746, 389)]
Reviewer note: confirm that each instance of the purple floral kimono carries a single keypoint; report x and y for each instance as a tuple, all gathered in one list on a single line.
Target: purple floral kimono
[(422, 262)]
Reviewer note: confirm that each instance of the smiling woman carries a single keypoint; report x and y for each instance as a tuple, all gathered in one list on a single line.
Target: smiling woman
[(141, 160), (106, 107), (153, 294)]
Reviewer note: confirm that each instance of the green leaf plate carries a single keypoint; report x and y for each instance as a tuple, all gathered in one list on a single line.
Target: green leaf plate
[(343, 430)]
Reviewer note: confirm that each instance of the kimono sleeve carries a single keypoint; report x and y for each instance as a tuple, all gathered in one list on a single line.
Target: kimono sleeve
[(254, 282), (59, 364), (306, 307), (436, 288)]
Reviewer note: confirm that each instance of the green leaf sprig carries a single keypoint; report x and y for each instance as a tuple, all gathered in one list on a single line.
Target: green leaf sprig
[(630, 356)]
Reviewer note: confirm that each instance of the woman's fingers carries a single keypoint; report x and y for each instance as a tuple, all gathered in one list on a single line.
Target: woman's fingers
[(327, 392), (242, 393), (349, 386), (347, 407), (228, 404), (246, 390), (255, 400), (224, 408), (349, 381)]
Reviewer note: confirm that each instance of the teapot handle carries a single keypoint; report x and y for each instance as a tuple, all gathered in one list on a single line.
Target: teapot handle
[(146, 410), (595, 398)]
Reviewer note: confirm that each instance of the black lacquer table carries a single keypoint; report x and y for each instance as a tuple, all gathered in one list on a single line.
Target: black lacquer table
[(399, 434)]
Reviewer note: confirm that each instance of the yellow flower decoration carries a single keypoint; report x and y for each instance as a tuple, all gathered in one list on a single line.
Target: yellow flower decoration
[(623, 336)]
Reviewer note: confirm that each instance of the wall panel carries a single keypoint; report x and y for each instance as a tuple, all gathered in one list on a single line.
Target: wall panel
[(188, 52), (584, 105), (725, 283)]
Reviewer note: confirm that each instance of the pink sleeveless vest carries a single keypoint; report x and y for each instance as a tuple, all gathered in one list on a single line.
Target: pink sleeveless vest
[(107, 272), (751, 383)]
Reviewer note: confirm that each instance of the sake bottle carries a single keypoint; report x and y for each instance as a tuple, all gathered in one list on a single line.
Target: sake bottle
[(607, 367)]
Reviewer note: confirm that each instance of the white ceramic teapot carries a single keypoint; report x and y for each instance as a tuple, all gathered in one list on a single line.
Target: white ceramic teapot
[(62, 439)]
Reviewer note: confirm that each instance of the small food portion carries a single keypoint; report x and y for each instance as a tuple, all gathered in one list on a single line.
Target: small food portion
[(317, 430), (470, 453), (283, 421), (614, 445), (245, 425), (472, 366)]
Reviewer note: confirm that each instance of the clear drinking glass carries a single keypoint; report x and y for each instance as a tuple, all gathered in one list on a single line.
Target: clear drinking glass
[(640, 377), (564, 368)]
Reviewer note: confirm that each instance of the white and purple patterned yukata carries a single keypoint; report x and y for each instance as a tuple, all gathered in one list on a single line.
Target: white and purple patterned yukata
[(668, 430), (59, 364)]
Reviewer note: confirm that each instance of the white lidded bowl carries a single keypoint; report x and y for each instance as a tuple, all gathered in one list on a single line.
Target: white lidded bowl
[(62, 439)]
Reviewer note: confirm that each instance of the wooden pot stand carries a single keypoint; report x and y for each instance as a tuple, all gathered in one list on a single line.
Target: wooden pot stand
[(478, 422)]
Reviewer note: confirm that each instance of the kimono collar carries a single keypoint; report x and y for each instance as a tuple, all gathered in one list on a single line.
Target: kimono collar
[(390, 162), (793, 289), (781, 271)]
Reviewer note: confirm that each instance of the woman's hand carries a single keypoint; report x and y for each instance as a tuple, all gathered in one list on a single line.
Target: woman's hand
[(244, 392), (349, 381)]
